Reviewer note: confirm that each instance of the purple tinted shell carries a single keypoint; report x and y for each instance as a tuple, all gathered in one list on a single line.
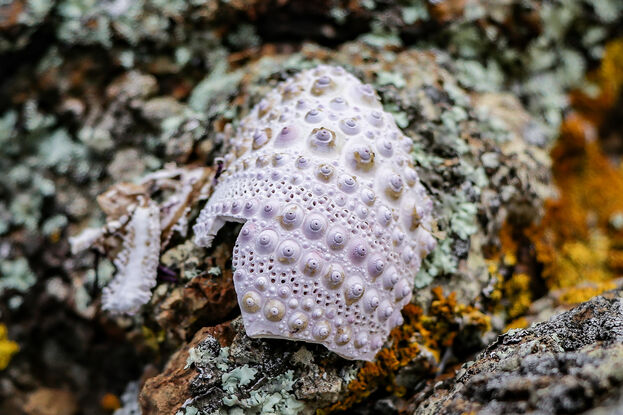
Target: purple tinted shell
[(337, 237), (292, 216), (266, 241), (322, 139), (279, 159), (402, 290), (301, 104), (259, 138), (385, 310), (247, 232), (323, 81), (338, 104), (236, 207), (376, 266), (385, 147), (334, 277), (384, 216), (288, 251), (368, 196), (347, 183), (314, 116), (302, 162), (375, 118), (312, 264), (366, 92), (390, 279), (371, 301), (358, 250), (250, 207), (286, 136), (269, 209), (354, 289), (350, 126), (323, 135), (395, 183), (314, 226)]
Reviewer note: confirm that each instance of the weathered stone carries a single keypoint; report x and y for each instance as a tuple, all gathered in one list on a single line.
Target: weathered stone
[(568, 364), (166, 392)]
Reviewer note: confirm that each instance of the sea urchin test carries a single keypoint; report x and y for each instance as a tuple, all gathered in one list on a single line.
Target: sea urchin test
[(336, 221)]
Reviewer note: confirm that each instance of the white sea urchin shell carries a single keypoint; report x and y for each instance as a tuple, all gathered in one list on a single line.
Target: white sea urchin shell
[(336, 222)]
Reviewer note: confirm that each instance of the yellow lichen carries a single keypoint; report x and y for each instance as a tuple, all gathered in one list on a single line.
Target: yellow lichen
[(576, 241), (512, 293), (518, 294), (153, 339), (576, 295), (518, 323), (7, 348)]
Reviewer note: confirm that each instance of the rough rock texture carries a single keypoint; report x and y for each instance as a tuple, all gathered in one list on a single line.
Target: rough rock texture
[(166, 392), (568, 364), (216, 373)]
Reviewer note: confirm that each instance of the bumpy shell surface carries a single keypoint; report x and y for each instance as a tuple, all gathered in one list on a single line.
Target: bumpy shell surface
[(336, 222)]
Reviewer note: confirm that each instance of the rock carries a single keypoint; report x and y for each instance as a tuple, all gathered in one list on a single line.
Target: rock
[(568, 364), (166, 392), (215, 372)]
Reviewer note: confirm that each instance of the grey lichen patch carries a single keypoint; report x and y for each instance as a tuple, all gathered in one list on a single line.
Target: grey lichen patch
[(550, 367), (543, 71), (254, 383)]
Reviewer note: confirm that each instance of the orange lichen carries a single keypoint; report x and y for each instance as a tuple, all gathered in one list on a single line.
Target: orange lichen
[(576, 241), (403, 348), (435, 332), (110, 402)]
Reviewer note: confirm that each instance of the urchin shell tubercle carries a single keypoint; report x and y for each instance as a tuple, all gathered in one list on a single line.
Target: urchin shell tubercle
[(336, 221)]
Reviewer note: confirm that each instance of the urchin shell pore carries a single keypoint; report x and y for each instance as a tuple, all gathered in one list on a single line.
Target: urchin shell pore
[(336, 222)]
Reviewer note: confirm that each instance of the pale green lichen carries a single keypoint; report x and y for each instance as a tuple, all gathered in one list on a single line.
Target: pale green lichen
[(246, 390), (415, 11), (441, 261), (275, 397), (211, 95), (16, 275), (237, 378), (244, 36), (381, 37)]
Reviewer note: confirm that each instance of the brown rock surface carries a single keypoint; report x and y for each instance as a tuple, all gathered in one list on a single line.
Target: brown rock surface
[(166, 392)]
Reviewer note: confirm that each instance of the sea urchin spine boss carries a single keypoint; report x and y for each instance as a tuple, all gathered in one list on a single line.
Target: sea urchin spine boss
[(336, 222)]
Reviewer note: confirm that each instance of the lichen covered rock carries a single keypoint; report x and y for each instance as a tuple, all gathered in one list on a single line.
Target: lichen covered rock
[(568, 364), (336, 219)]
